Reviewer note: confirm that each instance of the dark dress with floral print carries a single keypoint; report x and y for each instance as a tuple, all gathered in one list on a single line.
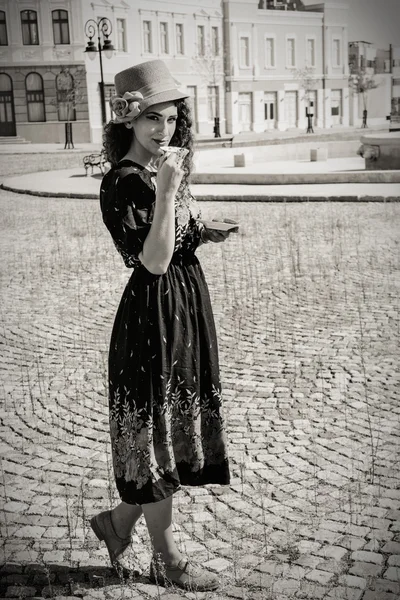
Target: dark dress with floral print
[(166, 420)]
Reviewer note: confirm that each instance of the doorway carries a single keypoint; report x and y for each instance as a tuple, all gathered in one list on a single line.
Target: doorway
[(270, 110), (291, 109), (336, 107), (7, 113), (245, 111)]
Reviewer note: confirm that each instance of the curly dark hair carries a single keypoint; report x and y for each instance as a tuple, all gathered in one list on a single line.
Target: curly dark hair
[(117, 138)]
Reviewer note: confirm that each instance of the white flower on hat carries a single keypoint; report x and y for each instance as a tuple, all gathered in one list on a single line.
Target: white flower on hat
[(126, 107)]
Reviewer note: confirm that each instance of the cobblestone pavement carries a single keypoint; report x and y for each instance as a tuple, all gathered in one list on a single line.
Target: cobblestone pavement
[(306, 306)]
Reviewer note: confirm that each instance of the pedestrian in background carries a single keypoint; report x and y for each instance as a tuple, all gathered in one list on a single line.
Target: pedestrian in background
[(166, 419)]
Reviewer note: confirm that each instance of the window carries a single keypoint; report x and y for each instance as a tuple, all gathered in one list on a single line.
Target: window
[(179, 38), (164, 38), (147, 37), (270, 52), (35, 97), (3, 29), (269, 111), (269, 107), (215, 41), (201, 42), (337, 59), (290, 52), (65, 96), (336, 103), (109, 91), (30, 35), (121, 35), (213, 102), (244, 51), (310, 52), (60, 27)]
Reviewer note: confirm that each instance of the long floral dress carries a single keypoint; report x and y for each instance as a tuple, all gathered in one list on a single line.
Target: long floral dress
[(166, 414)]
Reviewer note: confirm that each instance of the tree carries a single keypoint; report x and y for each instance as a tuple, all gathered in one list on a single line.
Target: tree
[(361, 83), (69, 95), (307, 82), (209, 64)]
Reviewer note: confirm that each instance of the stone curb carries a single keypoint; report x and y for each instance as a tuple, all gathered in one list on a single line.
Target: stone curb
[(265, 198), (221, 197), (296, 178), (76, 195)]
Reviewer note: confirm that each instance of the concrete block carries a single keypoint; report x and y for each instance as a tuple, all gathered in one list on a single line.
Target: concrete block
[(318, 154), (240, 160)]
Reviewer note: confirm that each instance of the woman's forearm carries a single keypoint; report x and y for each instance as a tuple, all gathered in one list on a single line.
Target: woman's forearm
[(159, 244)]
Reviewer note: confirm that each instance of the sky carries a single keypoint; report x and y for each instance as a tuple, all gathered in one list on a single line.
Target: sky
[(376, 21)]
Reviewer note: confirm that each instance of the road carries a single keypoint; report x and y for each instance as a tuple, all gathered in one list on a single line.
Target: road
[(306, 305)]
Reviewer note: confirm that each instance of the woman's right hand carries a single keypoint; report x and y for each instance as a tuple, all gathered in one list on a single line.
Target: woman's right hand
[(169, 176)]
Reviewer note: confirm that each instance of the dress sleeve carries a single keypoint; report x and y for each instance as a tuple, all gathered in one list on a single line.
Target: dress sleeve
[(127, 208)]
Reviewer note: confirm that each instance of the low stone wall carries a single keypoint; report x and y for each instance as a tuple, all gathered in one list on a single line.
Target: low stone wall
[(53, 132), (381, 151), (300, 151), (297, 178)]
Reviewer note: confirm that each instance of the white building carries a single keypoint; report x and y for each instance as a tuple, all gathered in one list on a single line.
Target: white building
[(187, 37), (395, 66), (376, 63), (236, 59), (39, 39), (266, 42)]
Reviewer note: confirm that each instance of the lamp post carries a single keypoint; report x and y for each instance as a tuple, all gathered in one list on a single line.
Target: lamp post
[(103, 28), (309, 115)]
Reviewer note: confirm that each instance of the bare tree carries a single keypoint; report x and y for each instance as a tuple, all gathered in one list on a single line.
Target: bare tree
[(361, 83), (208, 62), (308, 83), (70, 94)]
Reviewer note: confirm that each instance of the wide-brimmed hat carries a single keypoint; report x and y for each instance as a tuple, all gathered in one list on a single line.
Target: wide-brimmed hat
[(141, 86)]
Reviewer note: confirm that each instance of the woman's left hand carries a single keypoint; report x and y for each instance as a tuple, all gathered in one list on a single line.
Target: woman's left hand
[(215, 235)]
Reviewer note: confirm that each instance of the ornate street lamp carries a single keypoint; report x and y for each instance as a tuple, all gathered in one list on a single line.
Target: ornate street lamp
[(104, 29)]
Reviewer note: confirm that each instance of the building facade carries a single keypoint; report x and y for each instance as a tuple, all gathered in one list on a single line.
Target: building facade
[(269, 44), (395, 66), (377, 64), (241, 61), (187, 37), (236, 59), (40, 61)]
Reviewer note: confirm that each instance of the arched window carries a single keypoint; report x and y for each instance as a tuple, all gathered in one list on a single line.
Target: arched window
[(5, 83), (35, 97), (65, 96), (60, 27), (30, 33), (3, 29)]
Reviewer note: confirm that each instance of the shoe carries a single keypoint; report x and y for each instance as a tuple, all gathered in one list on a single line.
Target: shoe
[(185, 575), (117, 547)]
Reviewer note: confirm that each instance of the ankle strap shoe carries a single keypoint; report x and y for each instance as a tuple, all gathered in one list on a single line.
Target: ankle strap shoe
[(185, 575), (117, 547)]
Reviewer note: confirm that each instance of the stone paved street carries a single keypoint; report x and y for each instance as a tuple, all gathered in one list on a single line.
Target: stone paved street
[(306, 302)]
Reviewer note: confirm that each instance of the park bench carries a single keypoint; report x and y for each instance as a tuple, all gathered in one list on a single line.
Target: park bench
[(97, 159), (394, 123)]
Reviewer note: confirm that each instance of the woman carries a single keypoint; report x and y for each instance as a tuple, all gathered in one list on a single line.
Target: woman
[(166, 420)]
